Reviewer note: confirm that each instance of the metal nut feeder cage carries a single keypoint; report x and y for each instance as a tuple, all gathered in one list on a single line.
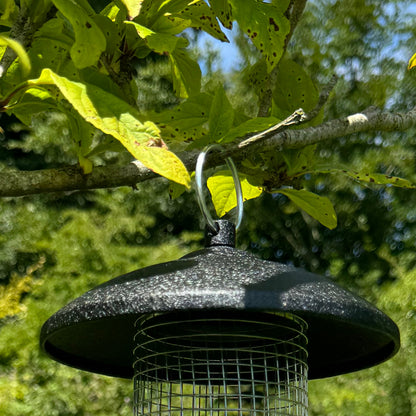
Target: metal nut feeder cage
[(220, 332)]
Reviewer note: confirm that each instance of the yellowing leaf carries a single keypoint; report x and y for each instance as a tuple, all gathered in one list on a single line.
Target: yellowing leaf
[(318, 207), (133, 7), (20, 52), (114, 116), (222, 188), (90, 41), (412, 62)]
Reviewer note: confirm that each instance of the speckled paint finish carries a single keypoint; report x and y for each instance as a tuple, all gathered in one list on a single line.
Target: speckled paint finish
[(95, 332)]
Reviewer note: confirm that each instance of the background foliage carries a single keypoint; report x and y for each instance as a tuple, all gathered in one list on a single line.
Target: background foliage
[(55, 247)]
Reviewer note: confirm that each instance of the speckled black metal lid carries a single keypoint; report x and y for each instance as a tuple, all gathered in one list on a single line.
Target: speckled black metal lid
[(95, 331)]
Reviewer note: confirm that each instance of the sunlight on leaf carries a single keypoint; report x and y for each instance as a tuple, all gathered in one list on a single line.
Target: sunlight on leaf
[(133, 7), (114, 116), (412, 62), (222, 188), (318, 207), (158, 42)]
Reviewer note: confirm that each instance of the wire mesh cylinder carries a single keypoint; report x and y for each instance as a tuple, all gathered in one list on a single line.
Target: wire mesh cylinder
[(220, 363)]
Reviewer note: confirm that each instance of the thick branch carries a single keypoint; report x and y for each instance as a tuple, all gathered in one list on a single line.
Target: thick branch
[(20, 183)]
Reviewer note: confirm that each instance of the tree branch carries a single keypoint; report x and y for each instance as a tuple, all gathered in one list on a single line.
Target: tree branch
[(20, 183)]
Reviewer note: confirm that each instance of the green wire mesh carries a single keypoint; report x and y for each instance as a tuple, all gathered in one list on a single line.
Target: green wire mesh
[(220, 364)]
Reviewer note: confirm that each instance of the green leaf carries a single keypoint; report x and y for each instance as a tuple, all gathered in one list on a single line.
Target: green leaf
[(20, 52), (185, 122), (82, 134), (318, 207), (33, 102), (367, 177), (186, 74), (158, 42), (294, 88), (203, 18), (266, 26), (114, 116), (412, 62), (90, 41), (222, 8), (299, 160), (253, 125), (222, 188), (221, 115), (8, 12)]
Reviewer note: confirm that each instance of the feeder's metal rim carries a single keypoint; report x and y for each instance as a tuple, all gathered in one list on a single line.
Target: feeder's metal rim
[(95, 332)]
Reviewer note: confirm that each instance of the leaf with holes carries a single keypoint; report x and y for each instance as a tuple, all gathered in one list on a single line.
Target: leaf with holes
[(221, 115), (318, 207), (185, 123), (266, 26), (203, 18), (253, 125), (222, 188), (90, 41), (294, 89), (114, 116), (222, 9)]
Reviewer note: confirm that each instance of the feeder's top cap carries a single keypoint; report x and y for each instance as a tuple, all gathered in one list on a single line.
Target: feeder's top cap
[(95, 331), (223, 236)]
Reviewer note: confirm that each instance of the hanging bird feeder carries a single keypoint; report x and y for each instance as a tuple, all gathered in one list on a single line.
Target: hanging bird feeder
[(220, 331)]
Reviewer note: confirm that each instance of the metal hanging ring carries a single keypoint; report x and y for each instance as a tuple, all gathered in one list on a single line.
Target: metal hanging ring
[(199, 180)]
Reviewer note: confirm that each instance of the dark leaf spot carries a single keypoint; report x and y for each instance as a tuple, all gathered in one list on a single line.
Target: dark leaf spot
[(274, 24), (88, 25)]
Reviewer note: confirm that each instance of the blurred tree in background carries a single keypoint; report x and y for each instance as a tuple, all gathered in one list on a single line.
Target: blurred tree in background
[(55, 247)]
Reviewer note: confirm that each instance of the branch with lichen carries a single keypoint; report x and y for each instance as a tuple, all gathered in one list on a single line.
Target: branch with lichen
[(20, 183)]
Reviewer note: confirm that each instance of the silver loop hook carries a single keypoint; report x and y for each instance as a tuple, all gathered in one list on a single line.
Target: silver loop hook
[(199, 180)]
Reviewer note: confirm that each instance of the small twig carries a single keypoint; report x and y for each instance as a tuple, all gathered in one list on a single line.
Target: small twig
[(296, 117)]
